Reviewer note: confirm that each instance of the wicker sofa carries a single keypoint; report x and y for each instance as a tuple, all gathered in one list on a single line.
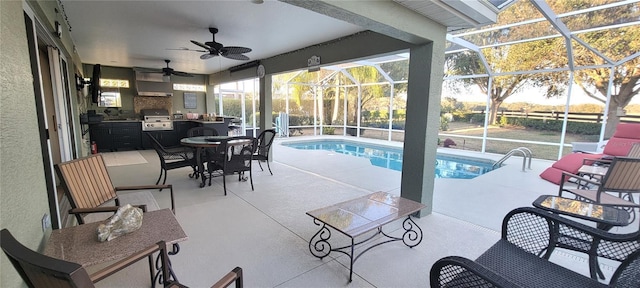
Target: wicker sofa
[(519, 258)]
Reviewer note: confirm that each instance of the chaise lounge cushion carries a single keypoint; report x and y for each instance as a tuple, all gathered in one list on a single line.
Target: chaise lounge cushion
[(624, 137), (619, 146), (570, 163)]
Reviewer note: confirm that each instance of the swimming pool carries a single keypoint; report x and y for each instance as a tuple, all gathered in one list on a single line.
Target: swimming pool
[(447, 165)]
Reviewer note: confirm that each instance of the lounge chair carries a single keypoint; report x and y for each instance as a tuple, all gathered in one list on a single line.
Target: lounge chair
[(622, 178), (520, 257), (620, 144), (89, 189)]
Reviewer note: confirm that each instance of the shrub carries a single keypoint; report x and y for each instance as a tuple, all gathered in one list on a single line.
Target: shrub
[(503, 121), (444, 123), (328, 130), (582, 128), (476, 118)]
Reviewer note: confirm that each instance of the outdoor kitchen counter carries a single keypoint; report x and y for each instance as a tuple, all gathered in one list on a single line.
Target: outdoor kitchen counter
[(123, 120), (200, 121)]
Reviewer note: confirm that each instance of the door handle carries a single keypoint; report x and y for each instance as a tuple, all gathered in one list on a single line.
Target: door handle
[(55, 123)]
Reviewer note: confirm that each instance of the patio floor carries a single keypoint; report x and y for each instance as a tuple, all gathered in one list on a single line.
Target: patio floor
[(266, 231)]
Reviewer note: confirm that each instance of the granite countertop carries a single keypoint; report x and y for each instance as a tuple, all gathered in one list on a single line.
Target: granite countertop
[(80, 243), (203, 121), (122, 120)]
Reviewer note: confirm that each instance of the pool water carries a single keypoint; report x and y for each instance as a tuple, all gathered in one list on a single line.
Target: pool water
[(447, 166)]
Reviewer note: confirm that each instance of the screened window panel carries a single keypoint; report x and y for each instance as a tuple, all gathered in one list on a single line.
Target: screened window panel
[(534, 55), (616, 44), (398, 70)]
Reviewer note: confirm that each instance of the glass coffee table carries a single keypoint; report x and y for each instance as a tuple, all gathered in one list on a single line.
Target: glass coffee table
[(605, 217), (359, 216)]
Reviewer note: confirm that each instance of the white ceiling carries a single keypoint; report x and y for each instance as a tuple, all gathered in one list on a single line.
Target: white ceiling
[(142, 33)]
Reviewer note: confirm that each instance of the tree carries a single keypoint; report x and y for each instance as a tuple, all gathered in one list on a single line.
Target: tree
[(527, 56), (615, 44), (364, 74), (548, 53)]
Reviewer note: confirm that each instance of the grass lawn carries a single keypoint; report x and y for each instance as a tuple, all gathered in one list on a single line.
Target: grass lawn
[(515, 133)]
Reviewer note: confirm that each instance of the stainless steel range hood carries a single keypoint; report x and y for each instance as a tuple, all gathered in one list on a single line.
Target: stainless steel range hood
[(153, 84)]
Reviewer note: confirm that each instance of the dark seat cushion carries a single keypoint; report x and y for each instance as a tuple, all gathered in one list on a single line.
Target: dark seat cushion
[(528, 270)]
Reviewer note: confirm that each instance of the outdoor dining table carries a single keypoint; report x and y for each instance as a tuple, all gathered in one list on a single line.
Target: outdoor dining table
[(201, 143)]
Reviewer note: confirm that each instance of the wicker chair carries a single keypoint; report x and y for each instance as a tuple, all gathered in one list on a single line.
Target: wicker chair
[(203, 131), (527, 234), (38, 270), (234, 155), (265, 139), (173, 158), (622, 177)]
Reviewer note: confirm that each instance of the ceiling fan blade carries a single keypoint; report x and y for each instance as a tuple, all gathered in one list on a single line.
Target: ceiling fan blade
[(147, 70), (201, 45), (182, 74), (207, 56), (236, 56), (235, 50), (187, 49)]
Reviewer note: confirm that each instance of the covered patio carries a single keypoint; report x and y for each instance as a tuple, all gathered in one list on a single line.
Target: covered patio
[(266, 231)]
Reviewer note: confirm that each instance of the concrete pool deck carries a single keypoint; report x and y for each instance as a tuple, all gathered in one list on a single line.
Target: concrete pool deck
[(266, 231)]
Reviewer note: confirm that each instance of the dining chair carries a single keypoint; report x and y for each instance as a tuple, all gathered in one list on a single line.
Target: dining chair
[(265, 139), (234, 155), (89, 188), (203, 131), (173, 158), (38, 270), (622, 178)]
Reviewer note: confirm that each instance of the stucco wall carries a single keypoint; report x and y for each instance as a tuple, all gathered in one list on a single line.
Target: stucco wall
[(23, 196)]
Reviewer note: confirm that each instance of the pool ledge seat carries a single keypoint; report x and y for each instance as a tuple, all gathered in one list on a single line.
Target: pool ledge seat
[(619, 145)]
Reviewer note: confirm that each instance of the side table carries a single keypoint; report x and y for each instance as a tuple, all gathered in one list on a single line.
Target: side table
[(605, 217)]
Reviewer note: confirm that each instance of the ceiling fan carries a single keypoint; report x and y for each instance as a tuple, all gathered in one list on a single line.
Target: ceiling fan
[(214, 49), (167, 71)]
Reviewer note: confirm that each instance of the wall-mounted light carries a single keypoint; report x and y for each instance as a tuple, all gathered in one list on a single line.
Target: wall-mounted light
[(313, 61), (58, 31)]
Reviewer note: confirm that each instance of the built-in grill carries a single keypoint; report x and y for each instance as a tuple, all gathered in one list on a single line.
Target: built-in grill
[(156, 119)]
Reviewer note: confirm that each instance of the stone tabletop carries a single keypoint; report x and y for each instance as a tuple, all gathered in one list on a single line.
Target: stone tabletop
[(80, 243), (360, 215)]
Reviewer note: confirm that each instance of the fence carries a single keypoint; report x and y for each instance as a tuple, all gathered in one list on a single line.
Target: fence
[(559, 115)]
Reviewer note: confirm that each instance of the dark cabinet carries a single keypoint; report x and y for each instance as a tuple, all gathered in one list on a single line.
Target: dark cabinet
[(116, 136), (101, 134), (166, 138), (182, 127), (126, 135)]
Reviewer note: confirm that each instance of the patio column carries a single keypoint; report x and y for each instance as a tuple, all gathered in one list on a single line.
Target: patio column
[(266, 106), (422, 123)]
